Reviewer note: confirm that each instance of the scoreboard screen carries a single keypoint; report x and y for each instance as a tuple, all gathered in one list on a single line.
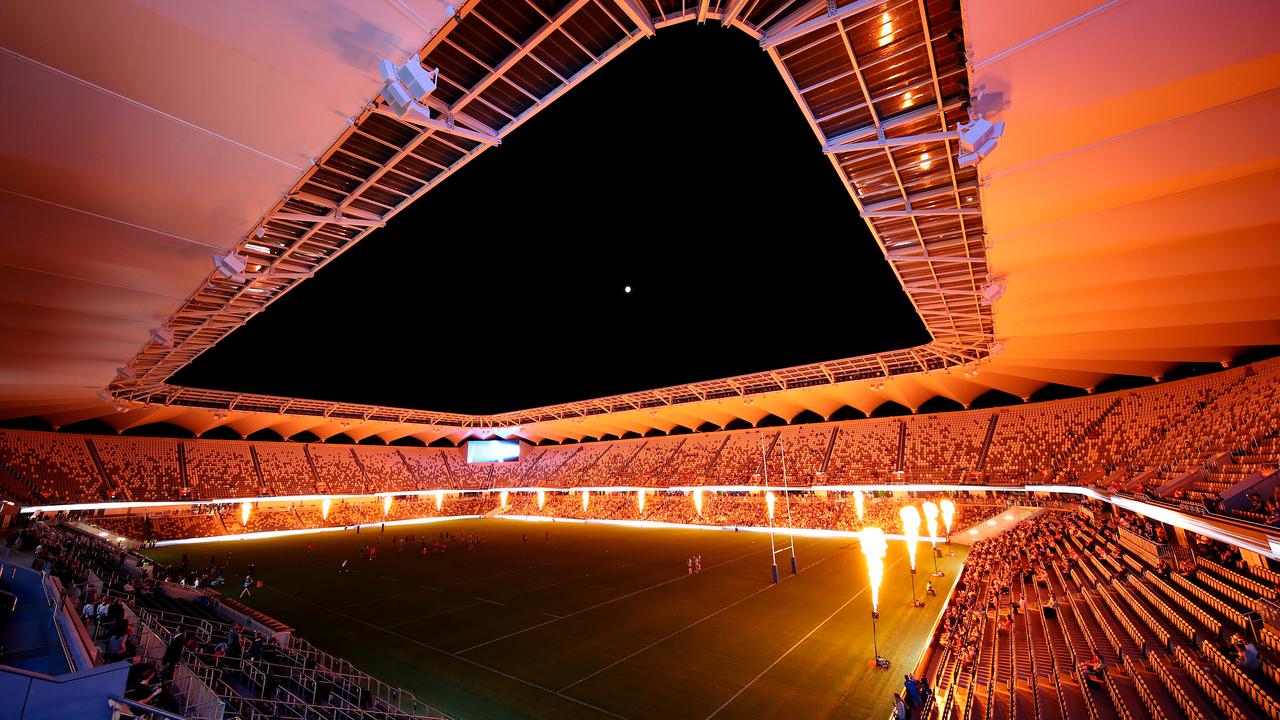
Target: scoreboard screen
[(485, 451)]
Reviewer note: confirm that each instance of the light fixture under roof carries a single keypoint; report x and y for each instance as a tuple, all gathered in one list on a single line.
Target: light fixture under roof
[(162, 336), (993, 291), (978, 138), (231, 266), (404, 86)]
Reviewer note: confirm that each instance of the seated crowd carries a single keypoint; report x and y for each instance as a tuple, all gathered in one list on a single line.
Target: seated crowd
[(1056, 618), (1185, 443), (835, 511)]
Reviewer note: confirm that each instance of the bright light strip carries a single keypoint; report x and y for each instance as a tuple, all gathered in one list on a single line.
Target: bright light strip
[(502, 499), (1155, 512), (69, 507), (640, 500), (655, 524), (911, 528), (245, 508), (874, 547), (306, 531), (770, 500), (886, 29), (439, 499), (931, 517), (386, 506), (324, 508), (542, 499), (727, 488), (697, 502), (859, 503), (576, 488), (1068, 489), (928, 488), (586, 498), (1260, 545), (948, 512)]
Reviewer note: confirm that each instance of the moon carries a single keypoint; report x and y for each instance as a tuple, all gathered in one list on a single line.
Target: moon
[(626, 289)]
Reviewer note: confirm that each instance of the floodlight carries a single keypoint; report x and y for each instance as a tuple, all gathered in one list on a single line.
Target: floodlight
[(404, 86), (230, 266), (162, 336), (993, 291), (419, 81), (978, 138), (394, 93)]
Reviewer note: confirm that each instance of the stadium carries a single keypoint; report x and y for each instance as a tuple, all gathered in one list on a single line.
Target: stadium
[(640, 359)]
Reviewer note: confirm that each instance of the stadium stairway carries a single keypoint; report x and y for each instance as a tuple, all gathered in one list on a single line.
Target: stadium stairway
[(28, 637), (1160, 640)]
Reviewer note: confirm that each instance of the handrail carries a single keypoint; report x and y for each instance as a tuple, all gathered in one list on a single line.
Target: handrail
[(113, 698)]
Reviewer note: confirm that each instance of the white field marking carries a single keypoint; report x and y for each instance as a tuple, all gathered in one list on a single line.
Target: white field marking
[(464, 581), (455, 656), (799, 642), (441, 588), (486, 600), (558, 617), (387, 577), (438, 589), (606, 602), (386, 597), (670, 635), (561, 582), (434, 614)]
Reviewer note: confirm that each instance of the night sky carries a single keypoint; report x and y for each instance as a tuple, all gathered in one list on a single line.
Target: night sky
[(683, 169)]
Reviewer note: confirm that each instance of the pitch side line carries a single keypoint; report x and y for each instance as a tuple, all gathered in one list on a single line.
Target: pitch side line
[(799, 642)]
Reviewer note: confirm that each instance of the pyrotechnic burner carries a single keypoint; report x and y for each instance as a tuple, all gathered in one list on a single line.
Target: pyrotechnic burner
[(948, 514), (874, 547), (931, 518), (911, 528)]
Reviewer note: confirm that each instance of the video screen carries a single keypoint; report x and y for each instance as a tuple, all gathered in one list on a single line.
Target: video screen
[(486, 451)]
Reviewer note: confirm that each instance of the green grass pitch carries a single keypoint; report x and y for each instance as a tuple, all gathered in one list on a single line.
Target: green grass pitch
[(603, 621)]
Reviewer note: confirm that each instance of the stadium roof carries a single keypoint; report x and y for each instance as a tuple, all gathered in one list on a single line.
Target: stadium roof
[(1125, 222)]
